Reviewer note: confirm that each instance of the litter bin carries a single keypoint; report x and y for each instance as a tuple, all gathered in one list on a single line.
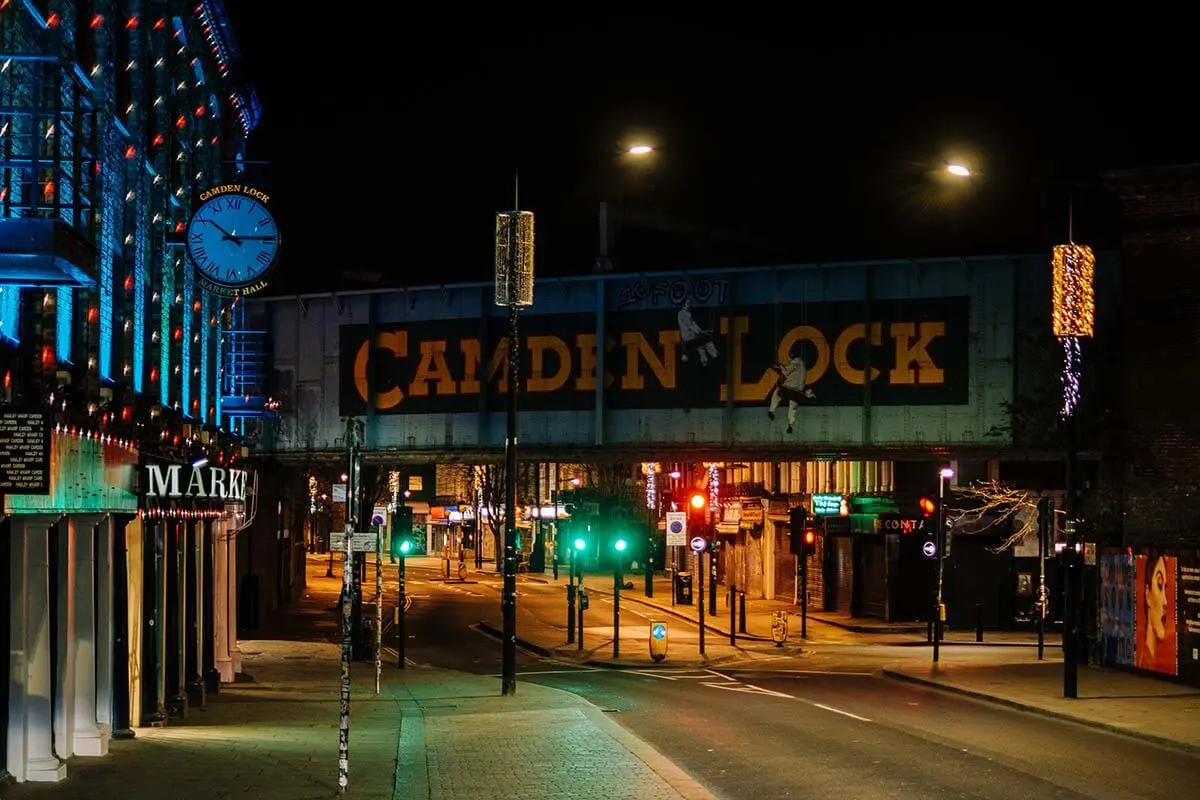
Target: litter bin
[(683, 588)]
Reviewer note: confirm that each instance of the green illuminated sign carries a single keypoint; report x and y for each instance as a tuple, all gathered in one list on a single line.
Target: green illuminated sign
[(825, 505)]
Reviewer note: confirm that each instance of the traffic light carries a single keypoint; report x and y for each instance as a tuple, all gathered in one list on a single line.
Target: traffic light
[(401, 534), (620, 544), (697, 514), (810, 541), (928, 507), (797, 527)]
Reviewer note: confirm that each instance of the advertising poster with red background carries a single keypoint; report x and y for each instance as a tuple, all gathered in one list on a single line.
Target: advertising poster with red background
[(1156, 605), (1189, 617)]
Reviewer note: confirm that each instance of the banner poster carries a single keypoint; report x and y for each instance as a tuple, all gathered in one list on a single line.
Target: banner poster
[(1156, 608), (1189, 616), (1116, 608)]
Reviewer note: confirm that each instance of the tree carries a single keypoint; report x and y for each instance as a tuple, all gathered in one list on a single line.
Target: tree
[(613, 480), (1003, 503), (491, 484)]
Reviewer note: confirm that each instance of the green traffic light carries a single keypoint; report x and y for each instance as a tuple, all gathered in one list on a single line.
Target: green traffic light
[(405, 547), (580, 544), (620, 545)]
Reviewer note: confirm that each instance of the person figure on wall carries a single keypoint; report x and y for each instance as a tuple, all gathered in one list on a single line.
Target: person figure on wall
[(693, 337), (1156, 648), (790, 385)]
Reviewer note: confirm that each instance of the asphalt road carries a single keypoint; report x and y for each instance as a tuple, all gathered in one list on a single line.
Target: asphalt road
[(811, 727)]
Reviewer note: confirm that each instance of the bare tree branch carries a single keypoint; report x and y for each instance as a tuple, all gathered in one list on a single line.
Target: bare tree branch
[(1003, 503)]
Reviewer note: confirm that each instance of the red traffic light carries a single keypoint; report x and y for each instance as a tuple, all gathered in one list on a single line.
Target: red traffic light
[(810, 537), (698, 501), (928, 506)]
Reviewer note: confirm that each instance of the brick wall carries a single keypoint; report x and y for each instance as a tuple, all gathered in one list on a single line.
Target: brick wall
[(1160, 321)]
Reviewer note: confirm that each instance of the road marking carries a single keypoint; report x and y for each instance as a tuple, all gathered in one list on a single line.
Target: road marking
[(839, 711), (561, 671), (748, 689)]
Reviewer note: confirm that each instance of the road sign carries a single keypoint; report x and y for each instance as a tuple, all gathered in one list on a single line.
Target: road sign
[(363, 542), (699, 544), (658, 630), (379, 515), (339, 492), (676, 528), (929, 549)]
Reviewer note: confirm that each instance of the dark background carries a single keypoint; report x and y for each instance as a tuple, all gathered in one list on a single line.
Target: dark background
[(393, 142)]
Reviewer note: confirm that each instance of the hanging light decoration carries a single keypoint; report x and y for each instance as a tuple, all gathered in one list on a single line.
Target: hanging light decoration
[(714, 487), (651, 470), (1073, 311)]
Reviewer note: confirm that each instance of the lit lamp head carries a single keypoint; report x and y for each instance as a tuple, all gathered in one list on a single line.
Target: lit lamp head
[(958, 170), (946, 473)]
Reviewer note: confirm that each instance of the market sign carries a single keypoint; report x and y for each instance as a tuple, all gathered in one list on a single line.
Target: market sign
[(201, 483)]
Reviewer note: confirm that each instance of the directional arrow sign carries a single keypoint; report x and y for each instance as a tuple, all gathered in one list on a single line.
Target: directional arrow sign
[(929, 549), (699, 543)]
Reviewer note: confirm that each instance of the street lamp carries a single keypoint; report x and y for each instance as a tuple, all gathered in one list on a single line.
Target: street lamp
[(640, 150), (940, 609), (959, 170), (513, 289), (1073, 307)]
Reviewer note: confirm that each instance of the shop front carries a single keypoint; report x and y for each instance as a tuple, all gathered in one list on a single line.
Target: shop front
[(69, 502), (182, 581)]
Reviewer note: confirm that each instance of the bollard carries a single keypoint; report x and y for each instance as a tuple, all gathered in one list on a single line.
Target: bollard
[(979, 622), (732, 615), (742, 612), (929, 631)]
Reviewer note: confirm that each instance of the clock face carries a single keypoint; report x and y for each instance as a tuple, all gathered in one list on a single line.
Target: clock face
[(232, 240)]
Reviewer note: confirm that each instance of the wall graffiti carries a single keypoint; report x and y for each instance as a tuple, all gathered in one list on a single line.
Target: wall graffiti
[(673, 292)]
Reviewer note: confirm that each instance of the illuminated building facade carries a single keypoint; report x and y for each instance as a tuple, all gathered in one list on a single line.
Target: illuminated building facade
[(119, 520)]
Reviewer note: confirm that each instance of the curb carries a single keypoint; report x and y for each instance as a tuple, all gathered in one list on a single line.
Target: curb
[(1045, 712)]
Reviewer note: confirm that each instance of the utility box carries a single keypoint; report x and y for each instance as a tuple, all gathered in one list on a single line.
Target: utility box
[(683, 588)]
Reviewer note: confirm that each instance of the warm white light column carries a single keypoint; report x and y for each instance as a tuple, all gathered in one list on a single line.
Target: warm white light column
[(64, 673), (106, 631), (220, 601), (235, 655), (32, 735), (87, 737)]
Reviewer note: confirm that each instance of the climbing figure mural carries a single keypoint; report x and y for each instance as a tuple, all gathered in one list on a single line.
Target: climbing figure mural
[(790, 386), (694, 338)]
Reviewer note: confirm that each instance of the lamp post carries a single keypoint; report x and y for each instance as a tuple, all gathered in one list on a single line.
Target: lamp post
[(939, 607), (513, 289), (1073, 301)]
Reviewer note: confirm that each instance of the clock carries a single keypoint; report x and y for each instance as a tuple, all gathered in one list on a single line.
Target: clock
[(232, 239)]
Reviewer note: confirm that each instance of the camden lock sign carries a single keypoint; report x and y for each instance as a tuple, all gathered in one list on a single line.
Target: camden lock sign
[(203, 483), (911, 352)]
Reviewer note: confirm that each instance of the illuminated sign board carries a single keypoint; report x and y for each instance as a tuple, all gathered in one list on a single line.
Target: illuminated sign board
[(913, 352), (199, 483), (824, 505)]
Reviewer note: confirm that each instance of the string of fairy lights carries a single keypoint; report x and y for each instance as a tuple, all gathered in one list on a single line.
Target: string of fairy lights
[(1073, 312)]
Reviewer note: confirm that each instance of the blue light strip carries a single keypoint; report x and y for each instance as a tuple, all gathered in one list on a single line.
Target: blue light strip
[(139, 315), (167, 298), (205, 336), (220, 377), (108, 241), (64, 315), (10, 313), (185, 391)]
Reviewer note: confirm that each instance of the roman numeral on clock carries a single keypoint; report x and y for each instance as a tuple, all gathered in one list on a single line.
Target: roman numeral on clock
[(263, 257)]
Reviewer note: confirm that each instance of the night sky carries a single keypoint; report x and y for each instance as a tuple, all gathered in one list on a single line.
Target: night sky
[(773, 149)]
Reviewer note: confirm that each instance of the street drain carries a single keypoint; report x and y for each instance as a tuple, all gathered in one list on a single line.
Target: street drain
[(611, 710)]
